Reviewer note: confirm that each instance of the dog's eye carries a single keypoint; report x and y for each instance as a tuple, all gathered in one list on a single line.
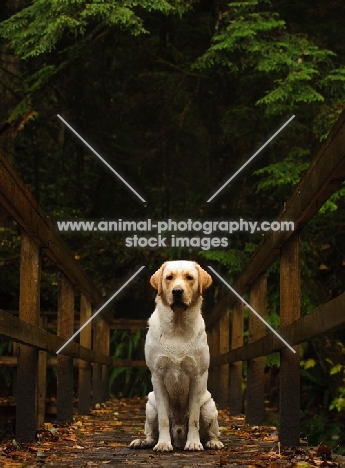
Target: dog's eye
[(189, 277), (169, 277)]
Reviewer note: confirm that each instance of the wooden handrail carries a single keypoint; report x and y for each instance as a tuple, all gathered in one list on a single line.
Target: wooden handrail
[(22, 332), (21, 205), (326, 318), (324, 176), (114, 324)]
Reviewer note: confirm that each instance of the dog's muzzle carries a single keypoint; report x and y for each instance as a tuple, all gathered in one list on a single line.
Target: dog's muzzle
[(178, 293), (177, 296)]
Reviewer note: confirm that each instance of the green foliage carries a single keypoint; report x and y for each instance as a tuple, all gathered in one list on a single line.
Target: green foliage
[(308, 363), (285, 172), (232, 259), (41, 27), (321, 395), (127, 380), (272, 360), (338, 368), (320, 428), (338, 402), (6, 373), (287, 63), (9, 268), (176, 100), (243, 26), (332, 204), (5, 346)]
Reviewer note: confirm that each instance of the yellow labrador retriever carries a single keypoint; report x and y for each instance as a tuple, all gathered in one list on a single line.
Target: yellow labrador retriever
[(180, 411)]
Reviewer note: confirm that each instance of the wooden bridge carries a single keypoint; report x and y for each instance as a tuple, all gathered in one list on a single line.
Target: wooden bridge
[(224, 326)]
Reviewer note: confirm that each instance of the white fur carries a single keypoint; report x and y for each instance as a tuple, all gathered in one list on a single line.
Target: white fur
[(180, 410)]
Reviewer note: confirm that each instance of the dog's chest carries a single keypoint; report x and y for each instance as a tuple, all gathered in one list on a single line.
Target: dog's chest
[(176, 368), (176, 375), (175, 358)]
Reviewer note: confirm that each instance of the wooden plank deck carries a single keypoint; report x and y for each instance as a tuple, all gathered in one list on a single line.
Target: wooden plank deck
[(102, 439)]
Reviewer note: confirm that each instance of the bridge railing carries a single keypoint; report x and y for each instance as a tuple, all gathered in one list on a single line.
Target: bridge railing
[(39, 237), (225, 325)]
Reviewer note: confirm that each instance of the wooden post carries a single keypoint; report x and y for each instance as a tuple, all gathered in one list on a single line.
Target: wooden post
[(97, 383), (105, 350), (42, 382), (29, 310), (211, 371), (84, 377), (41, 387), (65, 363), (235, 394), (15, 353), (223, 399), (289, 376), (256, 367), (214, 351), (97, 396)]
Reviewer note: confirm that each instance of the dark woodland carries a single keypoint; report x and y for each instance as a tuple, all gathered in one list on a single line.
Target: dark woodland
[(176, 95)]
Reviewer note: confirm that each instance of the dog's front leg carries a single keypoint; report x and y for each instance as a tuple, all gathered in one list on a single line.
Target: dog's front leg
[(162, 402), (196, 389)]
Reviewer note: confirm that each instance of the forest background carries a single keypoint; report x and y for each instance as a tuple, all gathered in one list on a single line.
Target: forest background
[(176, 95)]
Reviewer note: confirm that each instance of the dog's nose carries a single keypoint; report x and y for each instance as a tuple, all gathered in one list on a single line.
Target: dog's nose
[(177, 292)]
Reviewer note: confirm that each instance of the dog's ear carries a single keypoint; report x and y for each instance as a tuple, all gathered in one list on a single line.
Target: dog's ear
[(205, 279), (156, 279)]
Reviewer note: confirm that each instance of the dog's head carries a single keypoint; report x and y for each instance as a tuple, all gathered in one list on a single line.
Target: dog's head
[(180, 283)]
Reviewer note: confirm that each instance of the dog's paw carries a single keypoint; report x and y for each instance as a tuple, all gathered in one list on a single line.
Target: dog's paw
[(214, 444), (141, 443), (193, 445), (163, 447)]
